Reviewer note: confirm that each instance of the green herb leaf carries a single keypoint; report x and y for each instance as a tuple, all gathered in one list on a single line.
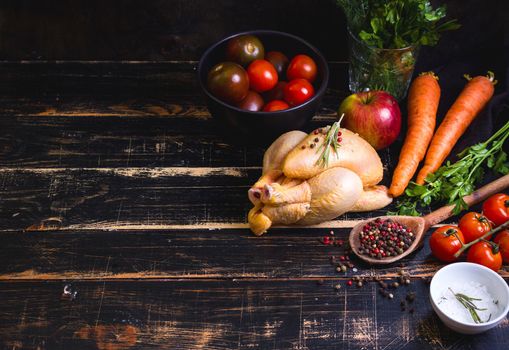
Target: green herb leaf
[(452, 181), (396, 23)]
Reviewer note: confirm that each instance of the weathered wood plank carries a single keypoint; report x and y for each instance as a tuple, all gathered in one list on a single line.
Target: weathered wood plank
[(282, 253), (179, 138), (223, 315), (127, 198), (55, 80), (296, 253)]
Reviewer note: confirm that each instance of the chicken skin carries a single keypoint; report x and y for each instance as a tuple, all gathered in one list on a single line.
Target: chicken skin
[(296, 188)]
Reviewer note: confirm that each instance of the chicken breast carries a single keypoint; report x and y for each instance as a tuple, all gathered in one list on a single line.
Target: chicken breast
[(354, 153)]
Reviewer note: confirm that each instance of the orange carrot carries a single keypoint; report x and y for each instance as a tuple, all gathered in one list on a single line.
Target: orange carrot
[(423, 99), (472, 99)]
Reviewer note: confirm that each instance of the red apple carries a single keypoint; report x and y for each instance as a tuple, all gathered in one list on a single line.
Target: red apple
[(374, 115)]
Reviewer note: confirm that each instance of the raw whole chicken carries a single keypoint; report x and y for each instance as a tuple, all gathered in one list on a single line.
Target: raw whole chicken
[(298, 186)]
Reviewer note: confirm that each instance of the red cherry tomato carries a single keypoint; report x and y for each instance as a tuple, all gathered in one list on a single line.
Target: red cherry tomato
[(485, 254), (298, 91), (262, 75), (474, 225), (301, 67), (496, 208), (502, 239), (445, 242), (276, 105)]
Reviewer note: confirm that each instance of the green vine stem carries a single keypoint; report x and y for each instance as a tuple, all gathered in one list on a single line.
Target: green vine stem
[(483, 237)]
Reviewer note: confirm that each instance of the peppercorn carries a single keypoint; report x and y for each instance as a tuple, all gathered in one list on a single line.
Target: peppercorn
[(312, 145), (303, 147), (337, 286), (316, 139), (395, 285), (349, 282), (410, 297), (378, 238), (343, 268)]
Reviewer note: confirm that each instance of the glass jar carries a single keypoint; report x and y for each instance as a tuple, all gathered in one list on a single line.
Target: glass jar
[(380, 69)]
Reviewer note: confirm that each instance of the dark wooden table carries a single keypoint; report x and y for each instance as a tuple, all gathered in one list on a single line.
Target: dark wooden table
[(122, 218)]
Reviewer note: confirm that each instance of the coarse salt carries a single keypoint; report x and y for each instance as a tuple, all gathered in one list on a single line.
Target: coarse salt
[(450, 306)]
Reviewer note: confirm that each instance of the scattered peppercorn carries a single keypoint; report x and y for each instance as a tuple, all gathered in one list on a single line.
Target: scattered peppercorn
[(349, 282), (316, 139), (343, 268), (337, 286), (359, 284), (410, 297), (312, 145), (395, 285)]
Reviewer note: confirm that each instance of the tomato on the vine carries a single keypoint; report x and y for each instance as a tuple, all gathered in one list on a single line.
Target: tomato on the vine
[(502, 239), (496, 208), (276, 105), (262, 75), (445, 242), (485, 254), (301, 67), (298, 91), (473, 225)]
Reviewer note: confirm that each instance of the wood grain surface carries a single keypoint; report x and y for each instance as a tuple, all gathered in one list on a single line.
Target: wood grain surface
[(123, 226)]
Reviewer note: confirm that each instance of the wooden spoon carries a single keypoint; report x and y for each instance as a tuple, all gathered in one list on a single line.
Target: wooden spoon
[(419, 225)]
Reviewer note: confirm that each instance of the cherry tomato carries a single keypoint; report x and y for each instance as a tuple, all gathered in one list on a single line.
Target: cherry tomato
[(496, 208), (483, 253), (262, 75), (252, 102), (228, 82), (244, 49), (276, 105), (277, 93), (445, 242), (279, 61), (301, 67), (474, 225), (298, 91), (502, 239)]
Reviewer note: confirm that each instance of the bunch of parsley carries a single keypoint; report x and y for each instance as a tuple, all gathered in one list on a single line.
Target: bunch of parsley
[(452, 181), (394, 24)]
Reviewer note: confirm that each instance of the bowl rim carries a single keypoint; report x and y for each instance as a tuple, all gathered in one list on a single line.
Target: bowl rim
[(319, 91), (484, 269)]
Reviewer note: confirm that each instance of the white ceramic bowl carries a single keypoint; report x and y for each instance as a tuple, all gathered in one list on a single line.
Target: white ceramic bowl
[(464, 272)]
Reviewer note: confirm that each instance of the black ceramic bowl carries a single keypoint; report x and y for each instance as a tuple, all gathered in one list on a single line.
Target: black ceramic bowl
[(263, 127)]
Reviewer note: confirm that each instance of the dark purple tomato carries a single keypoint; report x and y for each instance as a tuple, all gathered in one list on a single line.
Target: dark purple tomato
[(252, 102), (244, 49), (279, 61), (228, 82), (276, 93)]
